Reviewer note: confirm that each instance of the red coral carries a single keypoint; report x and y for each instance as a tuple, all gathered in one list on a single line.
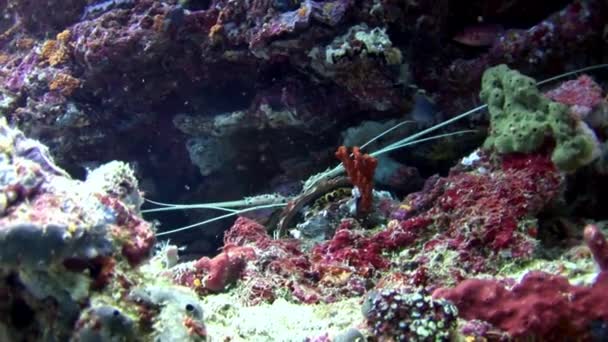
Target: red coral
[(360, 169)]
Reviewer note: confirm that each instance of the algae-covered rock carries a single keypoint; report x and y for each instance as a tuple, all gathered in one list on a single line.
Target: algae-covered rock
[(522, 120), (104, 323)]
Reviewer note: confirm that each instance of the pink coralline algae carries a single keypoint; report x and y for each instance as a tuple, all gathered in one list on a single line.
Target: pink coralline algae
[(279, 263), (352, 248), (486, 208), (245, 245), (18, 78), (582, 95), (223, 269), (482, 214), (300, 18), (323, 275), (402, 234), (134, 234), (284, 23)]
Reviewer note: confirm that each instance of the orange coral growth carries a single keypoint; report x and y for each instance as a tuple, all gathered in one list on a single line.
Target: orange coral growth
[(56, 51), (4, 58), (64, 36), (303, 11), (215, 32), (159, 23), (360, 169), (66, 84), (25, 43), (48, 48)]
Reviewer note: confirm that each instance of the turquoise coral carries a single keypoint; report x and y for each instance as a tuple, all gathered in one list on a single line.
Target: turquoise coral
[(522, 119)]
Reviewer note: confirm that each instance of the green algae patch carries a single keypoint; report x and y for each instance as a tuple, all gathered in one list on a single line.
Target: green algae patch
[(522, 119)]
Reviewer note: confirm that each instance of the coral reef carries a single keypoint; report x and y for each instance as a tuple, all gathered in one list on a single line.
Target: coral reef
[(480, 218), (212, 101), (465, 237)]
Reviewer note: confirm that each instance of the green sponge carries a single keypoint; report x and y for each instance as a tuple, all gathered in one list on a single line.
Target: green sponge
[(522, 119)]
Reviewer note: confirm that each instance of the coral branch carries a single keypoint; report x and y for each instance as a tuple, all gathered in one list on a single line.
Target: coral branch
[(360, 169)]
